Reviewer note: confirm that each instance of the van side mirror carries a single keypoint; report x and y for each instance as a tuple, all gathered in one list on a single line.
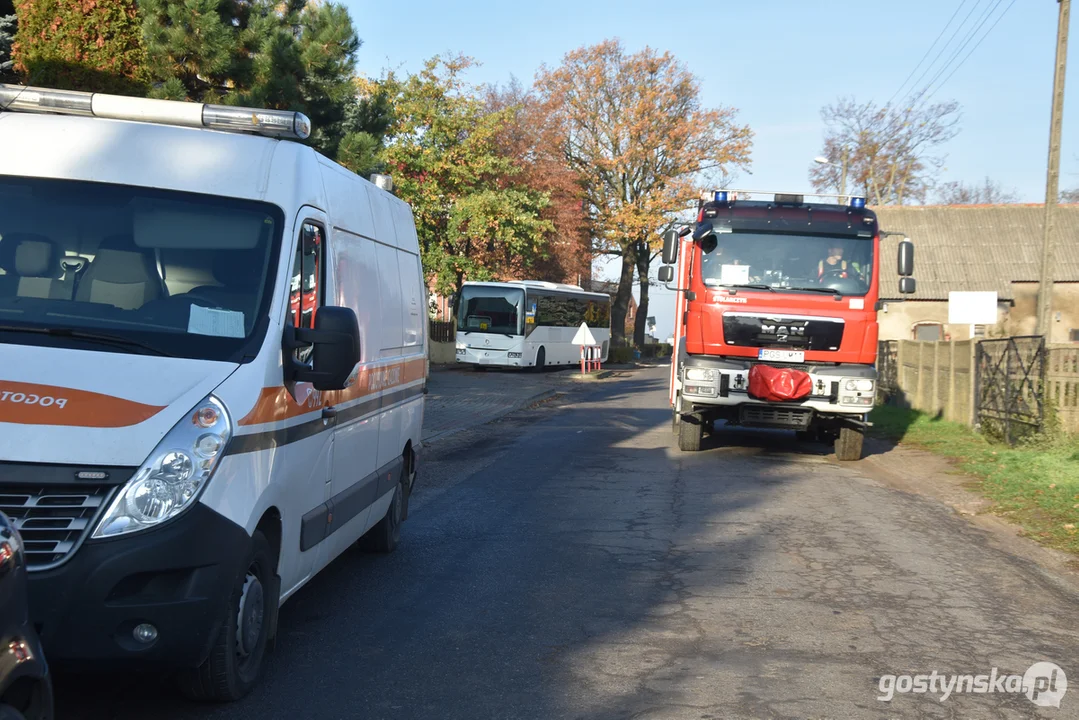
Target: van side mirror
[(906, 285), (666, 273), (335, 342), (670, 247), (906, 257)]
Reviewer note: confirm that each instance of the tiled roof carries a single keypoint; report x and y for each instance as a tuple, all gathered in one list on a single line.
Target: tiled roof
[(976, 247)]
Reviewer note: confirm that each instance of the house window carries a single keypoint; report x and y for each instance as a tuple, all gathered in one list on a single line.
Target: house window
[(979, 331), (1073, 335), (928, 331)]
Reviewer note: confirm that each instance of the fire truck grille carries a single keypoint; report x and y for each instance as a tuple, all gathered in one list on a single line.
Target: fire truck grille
[(764, 416)]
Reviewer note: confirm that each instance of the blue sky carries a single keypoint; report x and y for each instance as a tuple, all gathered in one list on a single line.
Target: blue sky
[(778, 63)]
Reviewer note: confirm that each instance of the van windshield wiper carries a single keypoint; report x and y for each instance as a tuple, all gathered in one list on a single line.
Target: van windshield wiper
[(104, 338)]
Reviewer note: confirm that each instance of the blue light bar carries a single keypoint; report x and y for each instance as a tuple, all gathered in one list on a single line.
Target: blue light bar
[(720, 196), (857, 202)]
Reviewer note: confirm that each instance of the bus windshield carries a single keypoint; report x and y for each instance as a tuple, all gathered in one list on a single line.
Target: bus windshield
[(490, 310), (788, 262)]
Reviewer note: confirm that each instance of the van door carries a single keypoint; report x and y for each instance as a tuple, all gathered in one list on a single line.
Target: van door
[(354, 483), (305, 465)]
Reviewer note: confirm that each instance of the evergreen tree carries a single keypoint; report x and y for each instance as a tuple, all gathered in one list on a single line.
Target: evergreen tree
[(7, 37), (80, 45)]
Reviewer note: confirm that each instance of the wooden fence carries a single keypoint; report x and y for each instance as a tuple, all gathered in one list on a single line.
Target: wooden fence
[(1062, 384)]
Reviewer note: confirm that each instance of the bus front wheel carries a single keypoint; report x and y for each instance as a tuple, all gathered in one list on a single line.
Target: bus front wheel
[(541, 359)]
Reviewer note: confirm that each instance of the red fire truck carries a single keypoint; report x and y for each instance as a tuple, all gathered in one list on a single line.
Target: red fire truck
[(776, 316)]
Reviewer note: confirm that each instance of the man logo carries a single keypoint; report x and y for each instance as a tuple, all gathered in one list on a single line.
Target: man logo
[(783, 332)]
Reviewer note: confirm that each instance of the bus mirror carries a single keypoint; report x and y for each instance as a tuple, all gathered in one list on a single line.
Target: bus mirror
[(666, 273), (670, 247), (906, 257)]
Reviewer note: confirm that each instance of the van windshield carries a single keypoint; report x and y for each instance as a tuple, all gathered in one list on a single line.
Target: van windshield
[(112, 267)]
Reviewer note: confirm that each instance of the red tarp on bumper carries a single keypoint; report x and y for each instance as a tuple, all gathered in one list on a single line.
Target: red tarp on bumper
[(778, 384)]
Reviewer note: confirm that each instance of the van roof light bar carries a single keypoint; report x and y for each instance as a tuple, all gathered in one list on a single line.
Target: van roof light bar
[(275, 123)]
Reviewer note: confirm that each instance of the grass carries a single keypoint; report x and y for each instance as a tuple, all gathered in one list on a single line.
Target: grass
[(1035, 483)]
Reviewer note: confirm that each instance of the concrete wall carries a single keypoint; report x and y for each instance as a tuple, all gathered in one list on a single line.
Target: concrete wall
[(443, 353), (898, 319), (1023, 319)]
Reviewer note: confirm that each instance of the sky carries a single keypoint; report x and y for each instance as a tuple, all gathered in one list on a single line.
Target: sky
[(779, 62)]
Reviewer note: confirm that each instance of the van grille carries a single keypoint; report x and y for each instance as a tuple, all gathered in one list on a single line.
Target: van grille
[(53, 519)]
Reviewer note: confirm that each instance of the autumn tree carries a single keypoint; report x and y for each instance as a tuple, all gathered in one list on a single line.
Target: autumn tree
[(634, 130), (92, 46), (474, 216), (7, 37), (886, 153), (569, 257), (988, 193)]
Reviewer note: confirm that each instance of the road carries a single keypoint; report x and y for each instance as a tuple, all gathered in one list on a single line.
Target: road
[(566, 562)]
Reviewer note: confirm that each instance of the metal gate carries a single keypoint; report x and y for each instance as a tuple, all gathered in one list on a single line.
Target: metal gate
[(1010, 385)]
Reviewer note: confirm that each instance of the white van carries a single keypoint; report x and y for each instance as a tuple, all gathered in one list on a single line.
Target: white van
[(213, 361)]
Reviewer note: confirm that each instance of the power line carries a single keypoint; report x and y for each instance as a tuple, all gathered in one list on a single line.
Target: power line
[(970, 36), (941, 52), (965, 57), (933, 45)]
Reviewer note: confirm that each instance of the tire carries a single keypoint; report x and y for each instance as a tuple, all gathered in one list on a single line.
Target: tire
[(541, 360), (690, 431), (9, 713), (235, 663), (848, 446), (676, 414), (386, 534)]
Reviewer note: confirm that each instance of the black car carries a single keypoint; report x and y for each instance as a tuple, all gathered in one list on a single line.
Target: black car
[(25, 684)]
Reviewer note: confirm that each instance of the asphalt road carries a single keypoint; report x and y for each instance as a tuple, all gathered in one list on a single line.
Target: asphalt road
[(566, 562)]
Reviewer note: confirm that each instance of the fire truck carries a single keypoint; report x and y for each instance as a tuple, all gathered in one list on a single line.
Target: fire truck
[(776, 315)]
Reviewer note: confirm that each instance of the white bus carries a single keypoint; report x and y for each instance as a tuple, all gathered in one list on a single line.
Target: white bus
[(527, 323)]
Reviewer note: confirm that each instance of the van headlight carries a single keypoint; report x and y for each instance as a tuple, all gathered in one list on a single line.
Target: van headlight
[(172, 477)]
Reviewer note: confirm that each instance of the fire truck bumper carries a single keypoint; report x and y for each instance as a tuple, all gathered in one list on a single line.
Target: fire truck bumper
[(715, 388)]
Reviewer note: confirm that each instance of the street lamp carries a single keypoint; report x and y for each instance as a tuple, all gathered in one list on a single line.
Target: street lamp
[(821, 160)]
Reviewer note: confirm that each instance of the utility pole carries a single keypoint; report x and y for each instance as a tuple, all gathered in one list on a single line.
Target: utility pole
[(843, 178), (1052, 180)]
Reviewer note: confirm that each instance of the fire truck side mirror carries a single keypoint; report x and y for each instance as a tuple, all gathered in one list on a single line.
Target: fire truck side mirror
[(670, 247), (666, 273), (906, 257), (906, 285)]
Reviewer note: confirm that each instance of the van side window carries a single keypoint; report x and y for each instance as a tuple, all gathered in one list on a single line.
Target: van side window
[(305, 293)]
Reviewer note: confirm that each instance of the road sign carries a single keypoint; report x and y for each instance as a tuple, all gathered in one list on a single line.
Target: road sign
[(584, 336)]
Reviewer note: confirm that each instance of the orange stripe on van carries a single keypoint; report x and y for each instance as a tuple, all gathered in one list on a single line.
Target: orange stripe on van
[(33, 404), (277, 403)]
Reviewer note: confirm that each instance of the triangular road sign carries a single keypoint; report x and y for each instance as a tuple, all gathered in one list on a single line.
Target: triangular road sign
[(584, 336)]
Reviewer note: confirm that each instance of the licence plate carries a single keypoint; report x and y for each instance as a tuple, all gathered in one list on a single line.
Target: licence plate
[(781, 355)]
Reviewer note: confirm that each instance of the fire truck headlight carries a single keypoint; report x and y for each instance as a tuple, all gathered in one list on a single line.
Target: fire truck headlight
[(700, 374), (858, 385)]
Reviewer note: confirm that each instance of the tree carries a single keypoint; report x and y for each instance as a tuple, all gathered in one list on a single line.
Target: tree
[(290, 55), (7, 37), (80, 45), (473, 215), (990, 193), (885, 152), (568, 255), (1069, 196), (633, 128)]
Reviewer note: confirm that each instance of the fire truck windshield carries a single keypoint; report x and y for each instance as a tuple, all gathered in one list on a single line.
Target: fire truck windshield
[(786, 262)]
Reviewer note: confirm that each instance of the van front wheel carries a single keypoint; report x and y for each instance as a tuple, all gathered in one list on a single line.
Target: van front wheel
[(235, 662), (384, 536)]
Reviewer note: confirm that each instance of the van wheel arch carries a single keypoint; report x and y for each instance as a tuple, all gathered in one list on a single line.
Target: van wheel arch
[(270, 527)]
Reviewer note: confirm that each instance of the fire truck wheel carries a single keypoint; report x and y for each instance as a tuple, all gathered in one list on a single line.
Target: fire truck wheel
[(848, 446), (690, 431)]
